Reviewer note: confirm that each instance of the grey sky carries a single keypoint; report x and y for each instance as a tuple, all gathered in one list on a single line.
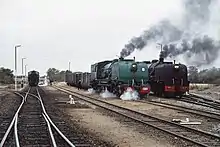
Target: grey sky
[(54, 32)]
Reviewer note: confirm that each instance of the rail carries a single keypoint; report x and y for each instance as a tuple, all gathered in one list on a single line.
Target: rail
[(51, 122), (46, 117), (192, 135), (14, 122), (208, 114), (198, 100)]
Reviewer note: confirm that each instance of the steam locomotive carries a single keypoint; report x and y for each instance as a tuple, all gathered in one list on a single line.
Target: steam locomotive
[(33, 78), (119, 74), (168, 78), (115, 75), (162, 78)]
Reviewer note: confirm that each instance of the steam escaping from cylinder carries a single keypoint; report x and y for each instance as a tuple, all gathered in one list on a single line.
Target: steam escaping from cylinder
[(107, 94), (130, 94), (196, 37), (90, 91)]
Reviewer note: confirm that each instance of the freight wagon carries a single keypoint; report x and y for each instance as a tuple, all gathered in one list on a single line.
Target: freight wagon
[(72, 79)]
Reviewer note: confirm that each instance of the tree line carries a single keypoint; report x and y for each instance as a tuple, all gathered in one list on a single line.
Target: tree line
[(211, 75), (56, 75), (6, 76)]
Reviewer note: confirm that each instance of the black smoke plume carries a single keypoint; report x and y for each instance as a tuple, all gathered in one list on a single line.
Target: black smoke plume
[(189, 39)]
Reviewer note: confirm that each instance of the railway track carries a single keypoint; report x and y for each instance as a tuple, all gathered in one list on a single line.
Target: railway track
[(199, 112), (197, 137), (32, 126), (201, 101)]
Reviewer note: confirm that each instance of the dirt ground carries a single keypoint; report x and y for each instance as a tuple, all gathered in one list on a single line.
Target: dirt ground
[(161, 112), (212, 93), (8, 102), (110, 128)]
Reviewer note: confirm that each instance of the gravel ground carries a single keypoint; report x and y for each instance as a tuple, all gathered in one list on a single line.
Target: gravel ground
[(212, 93), (110, 129), (58, 103), (8, 102), (120, 131), (207, 124), (8, 106)]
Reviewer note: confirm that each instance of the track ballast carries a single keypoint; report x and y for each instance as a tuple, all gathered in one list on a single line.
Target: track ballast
[(32, 126), (197, 137)]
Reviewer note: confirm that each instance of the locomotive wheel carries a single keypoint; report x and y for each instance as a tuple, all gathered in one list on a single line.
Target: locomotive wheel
[(110, 88), (142, 96), (115, 91), (118, 94)]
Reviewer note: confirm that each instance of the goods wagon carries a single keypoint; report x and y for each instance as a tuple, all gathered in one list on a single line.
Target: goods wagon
[(85, 81), (73, 79), (69, 78), (77, 76)]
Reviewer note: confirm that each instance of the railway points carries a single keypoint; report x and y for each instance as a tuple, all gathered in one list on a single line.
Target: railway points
[(32, 125)]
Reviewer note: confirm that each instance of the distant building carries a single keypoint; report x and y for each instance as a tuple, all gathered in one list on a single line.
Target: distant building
[(19, 79)]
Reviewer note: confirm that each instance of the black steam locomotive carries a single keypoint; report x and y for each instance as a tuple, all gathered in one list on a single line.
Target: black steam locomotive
[(168, 78), (33, 78)]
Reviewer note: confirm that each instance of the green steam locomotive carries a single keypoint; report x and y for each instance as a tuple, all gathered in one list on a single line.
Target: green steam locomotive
[(119, 74)]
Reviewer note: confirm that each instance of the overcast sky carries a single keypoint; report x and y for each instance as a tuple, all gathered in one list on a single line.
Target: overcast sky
[(54, 32)]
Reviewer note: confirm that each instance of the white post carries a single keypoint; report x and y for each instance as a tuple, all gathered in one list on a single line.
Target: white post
[(22, 69), (16, 66), (69, 65), (25, 72), (71, 99)]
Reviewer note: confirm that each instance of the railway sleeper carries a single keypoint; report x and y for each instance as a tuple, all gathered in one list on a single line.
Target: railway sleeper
[(82, 145)]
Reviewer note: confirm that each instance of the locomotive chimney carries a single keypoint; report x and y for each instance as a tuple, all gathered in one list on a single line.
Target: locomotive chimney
[(174, 62), (134, 58), (161, 56), (121, 58)]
